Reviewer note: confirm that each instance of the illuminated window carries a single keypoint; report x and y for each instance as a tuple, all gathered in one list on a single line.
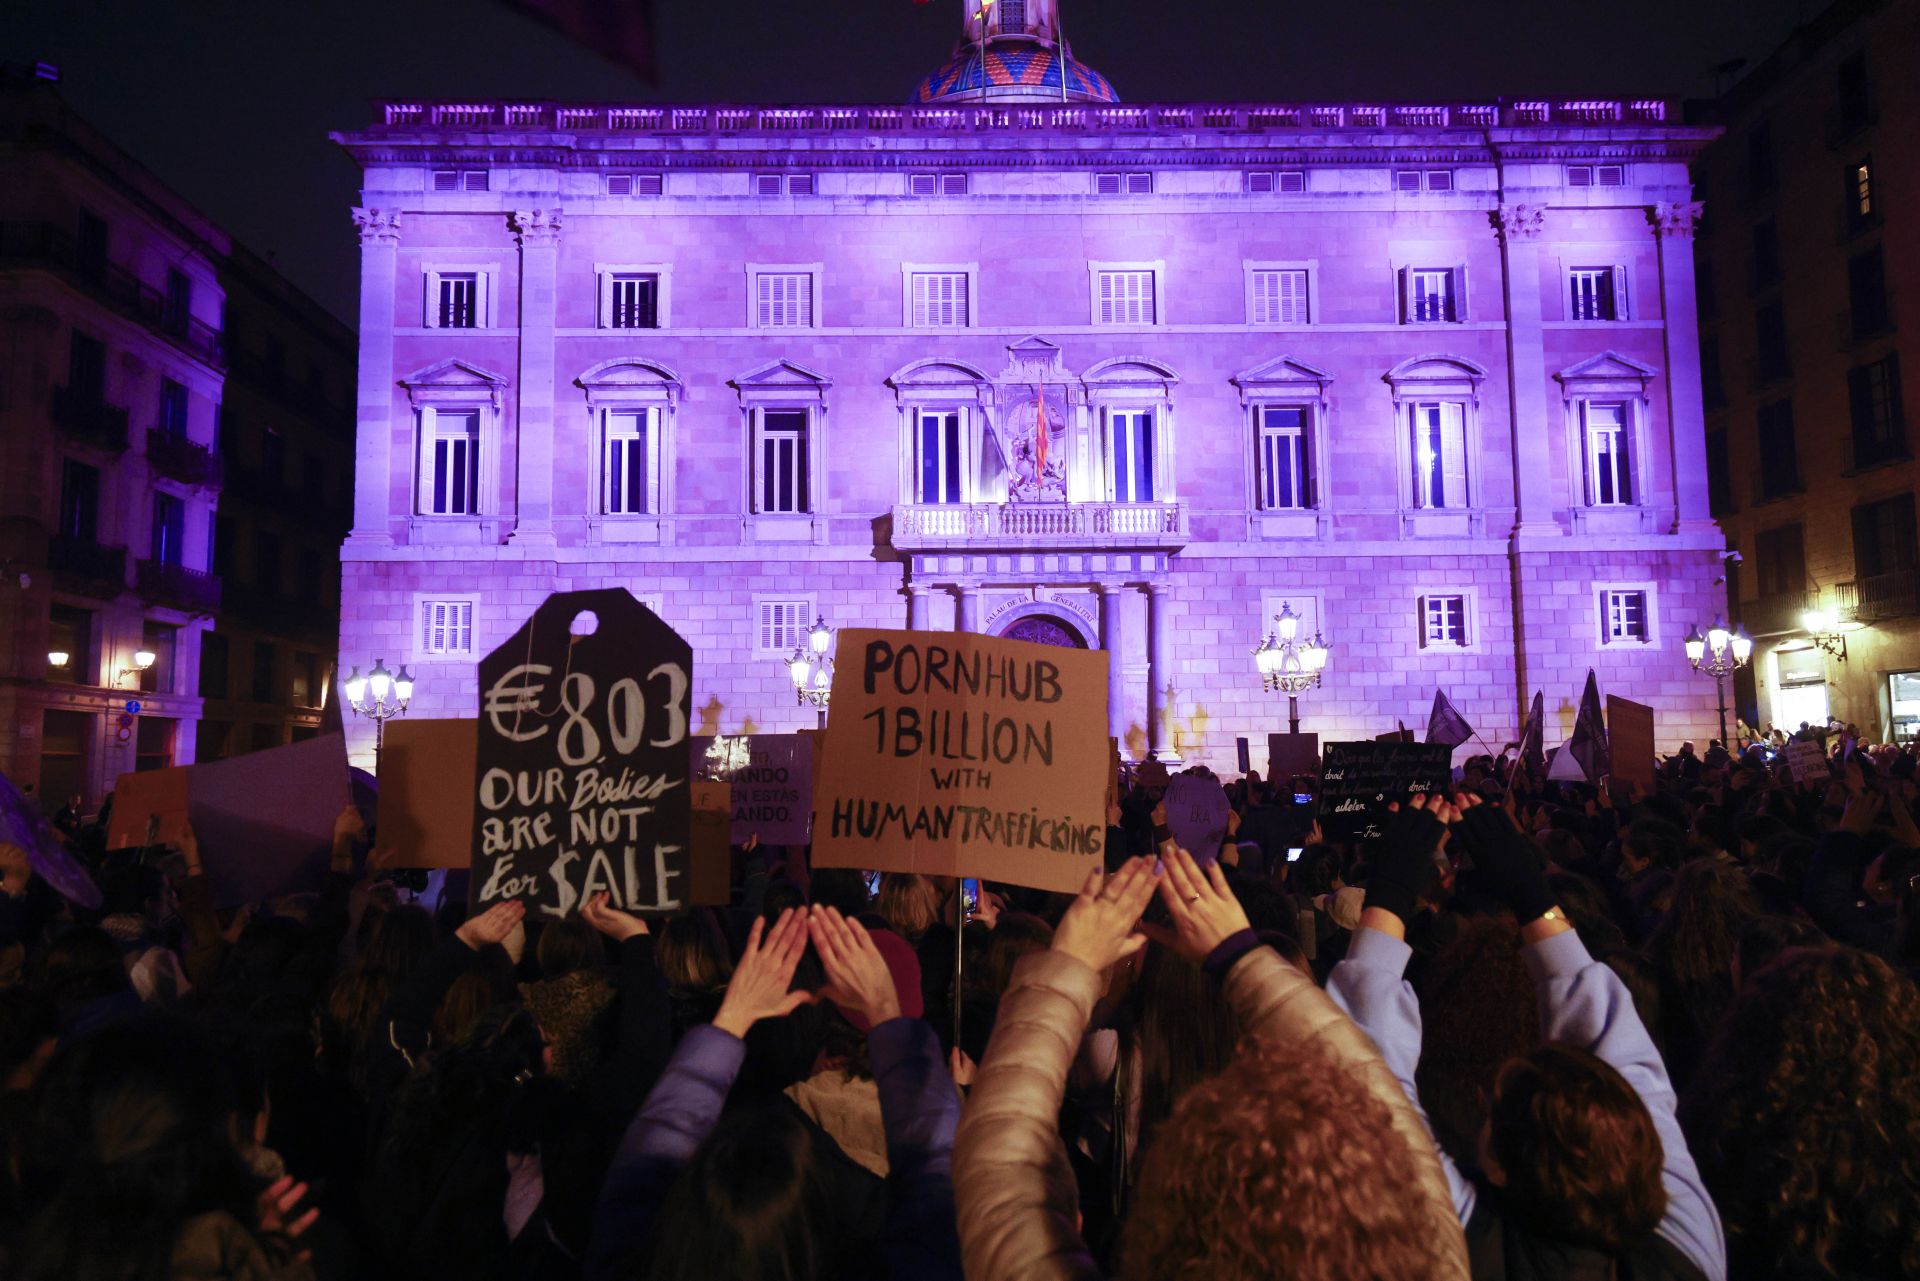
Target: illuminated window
[(630, 471), (1443, 620), (940, 446), (449, 462), (1439, 453), (1130, 454), (1606, 431), (1285, 478), (1430, 295)]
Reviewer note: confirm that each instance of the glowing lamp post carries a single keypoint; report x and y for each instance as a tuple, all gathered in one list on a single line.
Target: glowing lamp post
[(1719, 654), (379, 696), (1823, 629), (811, 669), (1287, 663)]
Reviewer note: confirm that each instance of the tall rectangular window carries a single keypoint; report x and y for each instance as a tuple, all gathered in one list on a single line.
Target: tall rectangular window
[(79, 501), (1443, 620), (1285, 480), (1130, 446), (1439, 448), (1766, 254), (87, 368), (1867, 293), (458, 306), (939, 299), (1280, 297), (1713, 391), (1623, 616), (1859, 195), (305, 689), (446, 628), (943, 464), (1779, 455), (1125, 298), (213, 665), (1596, 293), (781, 485), (1429, 296), (1854, 89), (634, 302), (70, 631), (177, 308), (630, 478), (169, 530), (269, 562), (450, 467), (1774, 361), (1873, 395), (1719, 474), (265, 678), (173, 409), (90, 246), (1609, 468), (1761, 176), (1883, 538), (163, 642), (1781, 554)]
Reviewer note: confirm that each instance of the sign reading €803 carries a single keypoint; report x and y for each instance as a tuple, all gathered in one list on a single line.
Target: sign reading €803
[(581, 777)]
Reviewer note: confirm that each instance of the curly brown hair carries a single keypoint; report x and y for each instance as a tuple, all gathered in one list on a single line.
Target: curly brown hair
[(1578, 1149), (1805, 1118), (1281, 1165)]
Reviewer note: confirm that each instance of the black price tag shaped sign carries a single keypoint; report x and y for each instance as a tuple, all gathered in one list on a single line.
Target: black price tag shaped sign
[(581, 778)]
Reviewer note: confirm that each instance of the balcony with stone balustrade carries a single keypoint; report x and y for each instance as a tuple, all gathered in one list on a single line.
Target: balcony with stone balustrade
[(926, 527)]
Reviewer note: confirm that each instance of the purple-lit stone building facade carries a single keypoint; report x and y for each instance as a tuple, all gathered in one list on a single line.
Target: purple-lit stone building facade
[(1427, 373)]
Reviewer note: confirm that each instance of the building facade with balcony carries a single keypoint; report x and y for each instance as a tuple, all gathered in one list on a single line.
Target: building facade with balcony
[(113, 291), (1809, 275), (1021, 359)]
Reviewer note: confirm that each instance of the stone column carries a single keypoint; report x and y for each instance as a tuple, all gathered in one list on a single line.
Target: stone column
[(1533, 454), (1159, 675), (538, 231), (916, 608), (1673, 226), (1111, 597), (968, 619), (373, 399)]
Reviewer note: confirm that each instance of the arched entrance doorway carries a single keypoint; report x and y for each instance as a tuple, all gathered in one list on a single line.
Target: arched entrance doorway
[(1043, 627)]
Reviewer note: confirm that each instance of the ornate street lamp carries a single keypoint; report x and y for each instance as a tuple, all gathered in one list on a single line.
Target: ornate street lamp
[(379, 696), (142, 660), (1823, 629), (811, 668), (1285, 663), (1718, 654)]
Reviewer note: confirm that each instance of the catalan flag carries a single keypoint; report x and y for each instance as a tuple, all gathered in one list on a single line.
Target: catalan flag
[(1039, 434)]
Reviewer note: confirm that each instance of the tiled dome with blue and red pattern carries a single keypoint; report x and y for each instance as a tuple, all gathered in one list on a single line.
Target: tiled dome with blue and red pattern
[(1024, 67)]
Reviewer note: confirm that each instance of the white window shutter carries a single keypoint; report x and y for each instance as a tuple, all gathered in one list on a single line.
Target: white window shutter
[(1457, 294), (920, 184), (1406, 295), (1291, 298), (1106, 184), (1620, 311), (764, 301), (1453, 449), (953, 184)]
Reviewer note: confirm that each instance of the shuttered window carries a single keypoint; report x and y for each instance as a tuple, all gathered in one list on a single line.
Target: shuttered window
[(1439, 447), (1125, 298), (446, 627), (1280, 297), (940, 299), (783, 300)]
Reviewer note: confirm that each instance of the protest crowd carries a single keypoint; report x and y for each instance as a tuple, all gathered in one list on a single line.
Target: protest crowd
[(1526, 1029)]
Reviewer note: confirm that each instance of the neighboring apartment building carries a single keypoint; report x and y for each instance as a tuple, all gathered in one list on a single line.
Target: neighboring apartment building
[(1809, 271), (286, 440), (113, 298), (1019, 359)]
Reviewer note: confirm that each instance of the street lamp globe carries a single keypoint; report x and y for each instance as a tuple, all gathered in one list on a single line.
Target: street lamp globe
[(1696, 646), (356, 688)]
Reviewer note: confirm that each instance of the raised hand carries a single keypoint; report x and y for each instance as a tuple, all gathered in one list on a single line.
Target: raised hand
[(1205, 913), (1098, 928), (611, 921), (278, 1202), (1506, 860), (1401, 865), (858, 980), (760, 983), (492, 925)]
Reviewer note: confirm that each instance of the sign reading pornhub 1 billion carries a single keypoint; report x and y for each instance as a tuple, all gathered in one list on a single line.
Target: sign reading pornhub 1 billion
[(582, 769), (963, 755)]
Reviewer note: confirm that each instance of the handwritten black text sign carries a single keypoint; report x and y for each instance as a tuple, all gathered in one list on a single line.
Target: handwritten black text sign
[(954, 754), (580, 781), (1359, 780)]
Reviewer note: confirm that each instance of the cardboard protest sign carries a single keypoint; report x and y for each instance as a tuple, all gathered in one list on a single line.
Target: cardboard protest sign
[(425, 816), (772, 780), (1359, 780), (156, 797), (1808, 762), (265, 820), (955, 754), (1197, 812), (581, 769), (1290, 754), (1630, 736), (1242, 755)]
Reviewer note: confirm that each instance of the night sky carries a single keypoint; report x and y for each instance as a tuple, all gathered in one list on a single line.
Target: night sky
[(230, 101)]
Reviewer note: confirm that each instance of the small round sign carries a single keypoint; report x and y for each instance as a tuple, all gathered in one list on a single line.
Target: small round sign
[(133, 707)]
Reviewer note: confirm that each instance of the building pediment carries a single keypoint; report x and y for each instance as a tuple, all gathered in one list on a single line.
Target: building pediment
[(1608, 366), (1282, 370), (1033, 360), (630, 378), (454, 381), (936, 371), (1436, 367), (1130, 373), (781, 378)]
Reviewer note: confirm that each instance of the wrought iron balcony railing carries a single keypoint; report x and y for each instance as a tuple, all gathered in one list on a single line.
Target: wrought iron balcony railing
[(181, 459), (87, 418), (1874, 597), (44, 244), (86, 568), (176, 585)]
